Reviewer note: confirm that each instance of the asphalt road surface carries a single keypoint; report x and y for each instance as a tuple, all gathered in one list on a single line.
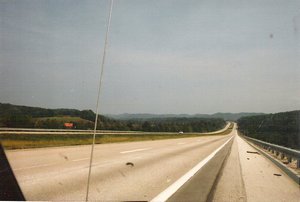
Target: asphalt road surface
[(121, 171)]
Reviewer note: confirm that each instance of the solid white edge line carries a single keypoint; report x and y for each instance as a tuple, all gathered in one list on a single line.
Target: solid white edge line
[(167, 193), (136, 150)]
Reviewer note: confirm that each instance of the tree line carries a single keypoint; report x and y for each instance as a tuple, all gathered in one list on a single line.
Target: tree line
[(33, 117), (279, 128)]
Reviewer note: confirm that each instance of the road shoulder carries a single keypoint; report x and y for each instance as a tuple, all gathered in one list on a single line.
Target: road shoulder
[(264, 180)]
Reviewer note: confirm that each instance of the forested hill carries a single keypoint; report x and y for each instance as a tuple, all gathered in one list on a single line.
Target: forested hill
[(34, 117), (225, 116), (34, 112), (280, 128)]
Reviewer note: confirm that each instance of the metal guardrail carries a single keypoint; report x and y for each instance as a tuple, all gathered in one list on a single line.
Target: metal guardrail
[(279, 151)]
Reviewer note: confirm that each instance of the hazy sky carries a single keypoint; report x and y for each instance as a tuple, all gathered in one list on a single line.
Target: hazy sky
[(164, 56)]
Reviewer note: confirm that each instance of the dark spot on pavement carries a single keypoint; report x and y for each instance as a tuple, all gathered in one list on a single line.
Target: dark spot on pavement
[(248, 159), (60, 183), (271, 36), (130, 164), (276, 174), (64, 156)]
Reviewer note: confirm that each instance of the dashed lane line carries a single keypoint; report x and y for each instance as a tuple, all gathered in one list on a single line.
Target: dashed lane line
[(135, 150)]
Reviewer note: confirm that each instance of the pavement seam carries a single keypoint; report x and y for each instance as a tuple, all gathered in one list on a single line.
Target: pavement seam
[(232, 159), (241, 172)]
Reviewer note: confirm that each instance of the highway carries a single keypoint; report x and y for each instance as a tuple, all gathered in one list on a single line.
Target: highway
[(121, 171)]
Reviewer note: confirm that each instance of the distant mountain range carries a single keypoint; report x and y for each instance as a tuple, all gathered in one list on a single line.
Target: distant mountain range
[(10, 109), (144, 116)]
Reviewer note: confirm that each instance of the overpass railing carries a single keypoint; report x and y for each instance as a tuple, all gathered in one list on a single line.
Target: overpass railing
[(279, 151)]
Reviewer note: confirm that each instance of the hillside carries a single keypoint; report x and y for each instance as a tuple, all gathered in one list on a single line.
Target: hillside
[(145, 116), (31, 117), (35, 117), (280, 128), (57, 122)]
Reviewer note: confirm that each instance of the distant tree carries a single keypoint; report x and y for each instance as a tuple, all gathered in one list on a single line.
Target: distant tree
[(88, 115), (146, 126), (17, 121)]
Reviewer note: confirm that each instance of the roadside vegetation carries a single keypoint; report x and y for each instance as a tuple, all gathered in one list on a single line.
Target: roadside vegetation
[(280, 128), (24, 141)]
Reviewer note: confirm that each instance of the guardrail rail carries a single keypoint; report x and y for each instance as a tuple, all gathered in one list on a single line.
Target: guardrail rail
[(279, 151), (285, 156)]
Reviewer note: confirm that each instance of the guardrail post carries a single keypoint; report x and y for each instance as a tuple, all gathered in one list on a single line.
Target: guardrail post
[(289, 158)]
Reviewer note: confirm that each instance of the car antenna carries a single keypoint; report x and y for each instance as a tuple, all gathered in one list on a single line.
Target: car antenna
[(98, 98)]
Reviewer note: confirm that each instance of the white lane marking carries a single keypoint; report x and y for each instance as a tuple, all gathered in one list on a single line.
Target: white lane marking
[(136, 150), (167, 193), (37, 166), (80, 159)]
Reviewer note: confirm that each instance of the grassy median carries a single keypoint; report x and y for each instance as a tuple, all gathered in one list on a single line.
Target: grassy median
[(24, 141)]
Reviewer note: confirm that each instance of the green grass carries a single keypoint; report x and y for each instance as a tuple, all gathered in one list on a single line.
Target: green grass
[(24, 141)]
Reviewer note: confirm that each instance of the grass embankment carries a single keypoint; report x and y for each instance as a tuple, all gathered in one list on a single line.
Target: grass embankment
[(23, 141)]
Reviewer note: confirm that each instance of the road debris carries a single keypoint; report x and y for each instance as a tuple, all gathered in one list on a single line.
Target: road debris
[(130, 164), (64, 156), (276, 174)]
